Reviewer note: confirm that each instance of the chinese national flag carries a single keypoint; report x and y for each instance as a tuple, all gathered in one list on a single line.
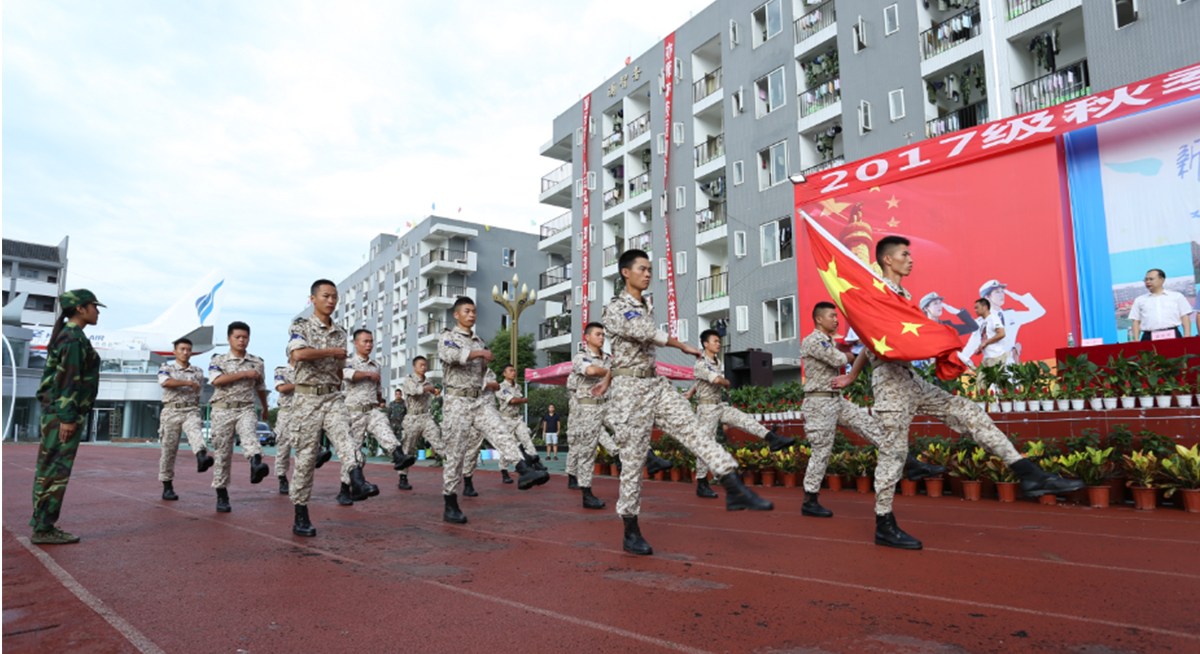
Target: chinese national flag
[(892, 326)]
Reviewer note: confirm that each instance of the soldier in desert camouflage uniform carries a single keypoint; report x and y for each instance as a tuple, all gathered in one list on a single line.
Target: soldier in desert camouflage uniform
[(418, 420), (364, 395), (900, 394), (67, 391), (638, 400), (591, 375), (181, 383), (471, 453), (465, 357), (510, 398), (285, 385), (239, 378), (712, 410)]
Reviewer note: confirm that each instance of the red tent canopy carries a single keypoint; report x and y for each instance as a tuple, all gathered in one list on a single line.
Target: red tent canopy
[(557, 374)]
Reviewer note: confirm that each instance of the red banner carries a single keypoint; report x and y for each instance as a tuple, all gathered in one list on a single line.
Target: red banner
[(669, 86), (994, 138), (585, 259), (992, 228)]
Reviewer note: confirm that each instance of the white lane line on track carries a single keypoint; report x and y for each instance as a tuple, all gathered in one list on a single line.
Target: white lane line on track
[(649, 640), (135, 637)]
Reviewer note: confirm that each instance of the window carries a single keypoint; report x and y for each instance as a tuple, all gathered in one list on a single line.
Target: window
[(769, 93), (736, 102), (1125, 12), (579, 188), (680, 197), (739, 244), (896, 104), (681, 263), (859, 34), (679, 135), (591, 291), (739, 173), (767, 21), (578, 295), (734, 36), (509, 258), (742, 319), (772, 165), (864, 117), (591, 180), (683, 330), (578, 136), (504, 321), (891, 20), (504, 289), (779, 319), (661, 143), (662, 269), (776, 240), (28, 273)]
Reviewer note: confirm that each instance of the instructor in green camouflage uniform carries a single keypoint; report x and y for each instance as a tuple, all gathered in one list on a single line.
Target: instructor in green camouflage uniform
[(68, 389)]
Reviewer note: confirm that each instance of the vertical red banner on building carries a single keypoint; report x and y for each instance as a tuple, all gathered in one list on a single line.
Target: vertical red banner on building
[(585, 260), (668, 87)]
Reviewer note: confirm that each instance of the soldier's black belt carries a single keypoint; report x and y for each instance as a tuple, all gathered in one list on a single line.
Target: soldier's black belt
[(821, 394), (231, 405), (462, 392), (635, 372), (359, 409), (181, 405), (317, 389), (703, 401), (591, 400)]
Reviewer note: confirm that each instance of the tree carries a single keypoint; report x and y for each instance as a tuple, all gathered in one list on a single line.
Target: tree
[(501, 346)]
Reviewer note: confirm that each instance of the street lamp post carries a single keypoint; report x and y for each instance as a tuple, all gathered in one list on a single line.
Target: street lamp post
[(514, 305)]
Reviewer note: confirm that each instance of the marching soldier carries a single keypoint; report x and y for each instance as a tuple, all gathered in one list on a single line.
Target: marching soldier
[(238, 376), (900, 394), (285, 385), (639, 400), (69, 385), (364, 395), (511, 399), (181, 383), (591, 370), (465, 357), (709, 372), (471, 455), (418, 419)]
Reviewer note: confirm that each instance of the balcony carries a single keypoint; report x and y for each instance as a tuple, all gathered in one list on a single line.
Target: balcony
[(710, 218), (956, 30), (711, 288), (556, 235), (445, 260), (555, 333), (706, 86), (643, 241), (638, 126), (823, 95), (613, 142), (710, 149), (555, 281), (613, 197), (435, 366), (1018, 7), (1069, 83), (556, 187), (612, 253), (808, 25), (556, 225), (443, 296), (824, 165), (639, 185), (428, 332), (969, 116)]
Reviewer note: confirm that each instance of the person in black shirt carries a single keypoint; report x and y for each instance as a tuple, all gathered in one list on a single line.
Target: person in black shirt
[(550, 433)]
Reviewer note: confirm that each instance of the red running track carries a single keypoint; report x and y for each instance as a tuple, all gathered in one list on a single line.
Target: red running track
[(534, 572)]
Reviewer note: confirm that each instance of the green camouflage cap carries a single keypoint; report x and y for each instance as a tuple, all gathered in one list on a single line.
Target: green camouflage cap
[(78, 298)]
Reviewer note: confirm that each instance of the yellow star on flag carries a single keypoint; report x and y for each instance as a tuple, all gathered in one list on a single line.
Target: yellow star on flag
[(893, 222), (880, 285), (834, 283), (873, 189), (893, 203), (910, 328), (832, 206), (881, 346)]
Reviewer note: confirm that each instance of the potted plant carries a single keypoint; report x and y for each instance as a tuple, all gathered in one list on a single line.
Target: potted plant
[(1143, 470), (969, 466), (1094, 467), (603, 460), (1182, 470), (862, 462), (787, 465), (1121, 373), (1028, 376), (1074, 376), (1006, 482), (835, 470), (1062, 398), (767, 466), (938, 455)]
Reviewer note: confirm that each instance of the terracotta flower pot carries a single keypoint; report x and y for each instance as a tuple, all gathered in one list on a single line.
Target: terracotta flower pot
[(956, 487), (1078, 497), (768, 478), (972, 488), (748, 477), (1190, 499), (933, 486), (1116, 491), (908, 488), (789, 479), (1050, 499), (676, 474), (1143, 498), (1098, 496), (863, 483), (599, 469), (612, 470), (1006, 491), (834, 481), (645, 474), (988, 488)]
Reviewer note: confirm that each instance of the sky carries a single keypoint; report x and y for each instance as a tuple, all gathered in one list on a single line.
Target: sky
[(275, 139)]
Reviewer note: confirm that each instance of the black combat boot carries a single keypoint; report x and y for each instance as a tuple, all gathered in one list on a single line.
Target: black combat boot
[(813, 508), (223, 501), (617, 462), (258, 469), (400, 460), (634, 543), (203, 461), (169, 491), (301, 526), (739, 498), (404, 485), (572, 482), (591, 501), (345, 496), (778, 442), (284, 488), (360, 488), (915, 469), (469, 488), (530, 477), (1036, 482), (655, 465), (533, 460), (704, 490), (504, 478), (890, 535), (323, 457), (452, 512)]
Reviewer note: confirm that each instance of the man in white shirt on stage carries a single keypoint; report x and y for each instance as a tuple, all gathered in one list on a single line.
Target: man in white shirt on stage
[(1161, 310)]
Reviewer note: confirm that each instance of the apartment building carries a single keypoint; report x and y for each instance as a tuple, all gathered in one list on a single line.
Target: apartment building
[(755, 103), (40, 273), (404, 292)]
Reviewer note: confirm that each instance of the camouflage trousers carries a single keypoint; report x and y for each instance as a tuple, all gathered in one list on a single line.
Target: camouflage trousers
[(574, 450), (224, 423), (587, 432), (418, 426), (471, 454), (170, 423), (822, 417), (54, 462), (462, 416), (640, 405), (308, 416), (900, 395), (712, 415), (520, 431), (283, 443), (377, 424)]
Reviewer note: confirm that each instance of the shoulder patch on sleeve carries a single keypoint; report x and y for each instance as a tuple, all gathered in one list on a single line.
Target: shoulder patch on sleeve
[(451, 343), (630, 315), (295, 336), (825, 343), (213, 367)]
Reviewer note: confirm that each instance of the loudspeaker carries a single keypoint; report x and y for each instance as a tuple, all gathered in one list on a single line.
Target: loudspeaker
[(749, 369)]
